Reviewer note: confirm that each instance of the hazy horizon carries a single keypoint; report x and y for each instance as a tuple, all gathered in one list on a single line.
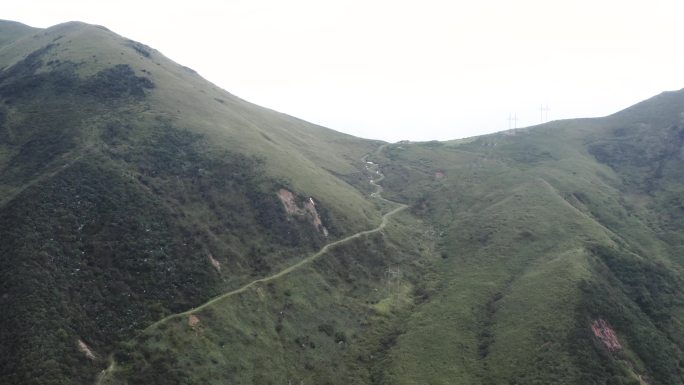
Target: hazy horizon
[(408, 70)]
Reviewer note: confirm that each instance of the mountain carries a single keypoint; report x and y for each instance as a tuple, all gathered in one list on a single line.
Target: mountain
[(553, 239), (125, 178), (158, 230)]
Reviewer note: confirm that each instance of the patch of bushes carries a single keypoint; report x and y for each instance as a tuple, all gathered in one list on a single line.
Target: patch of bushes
[(651, 285), (87, 253), (139, 48), (23, 83), (116, 82), (326, 329), (340, 337), (638, 298)]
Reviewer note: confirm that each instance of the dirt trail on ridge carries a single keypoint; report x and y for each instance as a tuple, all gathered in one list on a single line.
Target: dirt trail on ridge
[(373, 169), (304, 261)]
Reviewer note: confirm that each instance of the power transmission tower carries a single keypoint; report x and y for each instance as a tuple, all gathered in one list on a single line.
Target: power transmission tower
[(513, 119), (546, 111), (543, 113)]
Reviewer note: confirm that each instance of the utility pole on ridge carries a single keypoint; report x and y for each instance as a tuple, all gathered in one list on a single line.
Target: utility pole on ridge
[(546, 111), (513, 119), (542, 112)]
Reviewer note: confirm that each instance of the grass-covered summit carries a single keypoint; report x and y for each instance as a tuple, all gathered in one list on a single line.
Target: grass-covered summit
[(131, 188)]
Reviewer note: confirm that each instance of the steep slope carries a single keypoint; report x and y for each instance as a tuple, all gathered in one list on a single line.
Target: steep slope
[(131, 188), (316, 321), (561, 249)]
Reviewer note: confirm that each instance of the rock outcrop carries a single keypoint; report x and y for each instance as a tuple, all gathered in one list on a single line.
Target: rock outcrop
[(308, 210)]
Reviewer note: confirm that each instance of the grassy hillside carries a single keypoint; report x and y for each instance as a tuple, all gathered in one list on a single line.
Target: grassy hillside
[(158, 230), (11, 31), (543, 231), (131, 188), (543, 255)]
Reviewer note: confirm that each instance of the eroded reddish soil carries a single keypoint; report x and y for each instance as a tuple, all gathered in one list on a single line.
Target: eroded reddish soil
[(308, 211), (606, 335), (86, 350)]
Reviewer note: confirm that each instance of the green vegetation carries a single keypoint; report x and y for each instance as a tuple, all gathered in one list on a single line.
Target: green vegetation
[(115, 212), (145, 240), (318, 317), (652, 294), (528, 219)]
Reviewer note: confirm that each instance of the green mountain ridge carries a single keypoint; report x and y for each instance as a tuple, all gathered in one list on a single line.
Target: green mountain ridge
[(159, 230), (580, 210), (87, 114)]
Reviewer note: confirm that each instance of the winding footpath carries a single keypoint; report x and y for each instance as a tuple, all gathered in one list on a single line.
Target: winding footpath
[(302, 262), (104, 375)]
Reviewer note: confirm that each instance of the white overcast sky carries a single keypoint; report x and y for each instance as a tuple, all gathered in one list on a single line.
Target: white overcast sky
[(416, 70)]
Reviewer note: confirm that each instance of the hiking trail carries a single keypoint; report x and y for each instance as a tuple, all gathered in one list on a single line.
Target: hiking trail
[(370, 167)]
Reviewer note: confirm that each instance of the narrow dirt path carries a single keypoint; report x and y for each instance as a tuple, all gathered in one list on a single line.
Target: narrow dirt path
[(106, 372), (302, 262), (284, 271), (385, 218)]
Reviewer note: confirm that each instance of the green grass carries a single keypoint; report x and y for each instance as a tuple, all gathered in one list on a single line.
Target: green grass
[(518, 214), (121, 172), (317, 324)]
